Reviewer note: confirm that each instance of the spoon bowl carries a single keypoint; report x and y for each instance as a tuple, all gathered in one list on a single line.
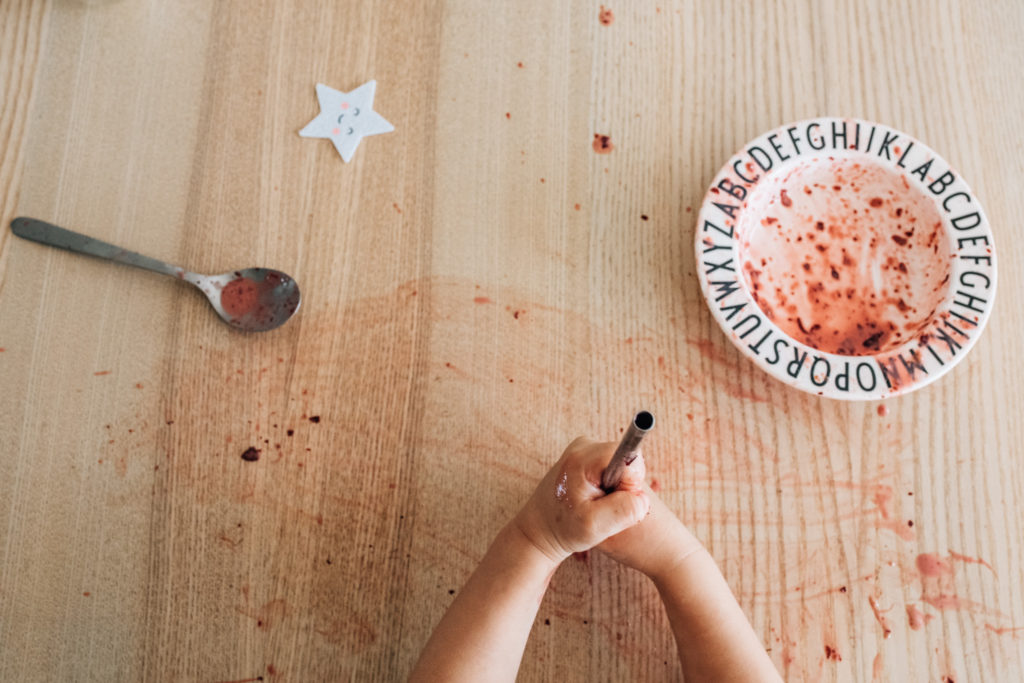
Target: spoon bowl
[(251, 299)]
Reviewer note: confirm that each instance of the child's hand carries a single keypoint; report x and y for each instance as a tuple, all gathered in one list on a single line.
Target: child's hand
[(570, 513), (655, 546)]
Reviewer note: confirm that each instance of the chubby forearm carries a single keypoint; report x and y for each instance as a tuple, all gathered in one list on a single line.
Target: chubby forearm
[(484, 632), (714, 637)]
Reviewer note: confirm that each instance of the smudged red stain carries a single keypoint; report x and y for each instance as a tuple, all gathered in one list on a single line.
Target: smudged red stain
[(842, 279), (508, 115), (396, 207), (86, 594), (883, 410), (353, 631), (880, 616), (2, 349), (268, 615), (971, 560), (832, 654), (708, 349), (243, 680), (938, 588), (605, 16), (882, 496), (251, 454), (271, 669), (877, 667), (916, 618), (602, 144), (482, 300), (138, 386), (655, 485), (100, 373), (1003, 630), (576, 206), (519, 64)]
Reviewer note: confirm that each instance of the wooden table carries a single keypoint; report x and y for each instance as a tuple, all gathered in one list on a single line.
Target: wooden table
[(479, 288)]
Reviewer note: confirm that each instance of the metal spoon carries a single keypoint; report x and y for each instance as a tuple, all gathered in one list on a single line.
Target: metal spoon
[(252, 299)]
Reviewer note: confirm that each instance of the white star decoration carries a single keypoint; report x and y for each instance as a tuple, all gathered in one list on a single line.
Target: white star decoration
[(346, 118)]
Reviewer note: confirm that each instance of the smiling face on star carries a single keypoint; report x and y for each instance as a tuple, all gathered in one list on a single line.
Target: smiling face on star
[(348, 120)]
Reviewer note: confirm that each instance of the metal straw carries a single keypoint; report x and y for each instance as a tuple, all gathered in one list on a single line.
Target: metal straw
[(627, 451)]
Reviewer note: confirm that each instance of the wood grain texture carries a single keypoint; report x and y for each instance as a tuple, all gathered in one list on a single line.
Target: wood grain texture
[(479, 288)]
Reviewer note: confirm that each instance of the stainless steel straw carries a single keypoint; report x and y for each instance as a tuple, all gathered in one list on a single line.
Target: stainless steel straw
[(628, 449)]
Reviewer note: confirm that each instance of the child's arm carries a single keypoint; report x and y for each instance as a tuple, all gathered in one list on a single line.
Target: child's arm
[(484, 632), (713, 636)]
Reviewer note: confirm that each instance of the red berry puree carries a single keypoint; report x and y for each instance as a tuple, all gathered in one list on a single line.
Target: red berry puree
[(845, 255)]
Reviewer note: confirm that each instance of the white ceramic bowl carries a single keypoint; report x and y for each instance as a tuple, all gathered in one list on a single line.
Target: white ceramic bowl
[(846, 258)]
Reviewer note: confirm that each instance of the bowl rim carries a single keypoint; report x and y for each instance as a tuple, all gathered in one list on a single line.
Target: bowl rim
[(914, 364)]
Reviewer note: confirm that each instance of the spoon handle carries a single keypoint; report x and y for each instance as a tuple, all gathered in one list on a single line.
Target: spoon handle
[(54, 236)]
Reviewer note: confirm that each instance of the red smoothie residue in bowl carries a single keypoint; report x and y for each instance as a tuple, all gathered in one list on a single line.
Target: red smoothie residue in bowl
[(845, 255)]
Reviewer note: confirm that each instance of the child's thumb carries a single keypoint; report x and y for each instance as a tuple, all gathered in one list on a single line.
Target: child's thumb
[(618, 511)]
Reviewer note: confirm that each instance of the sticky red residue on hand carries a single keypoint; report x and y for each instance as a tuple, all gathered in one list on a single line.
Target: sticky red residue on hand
[(602, 144), (605, 16), (844, 256)]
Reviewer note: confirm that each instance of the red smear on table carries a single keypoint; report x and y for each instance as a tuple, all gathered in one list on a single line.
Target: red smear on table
[(916, 618), (251, 454), (832, 653), (267, 616), (397, 208), (271, 670), (856, 269), (970, 560), (880, 617), (877, 667), (882, 496), (883, 410), (86, 594), (102, 372), (2, 349), (655, 485), (937, 586), (243, 680), (481, 300), (508, 115), (1001, 630), (576, 206), (605, 16), (519, 64), (602, 144)]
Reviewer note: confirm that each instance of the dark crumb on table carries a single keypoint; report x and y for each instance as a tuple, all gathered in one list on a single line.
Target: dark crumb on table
[(251, 454), (314, 419)]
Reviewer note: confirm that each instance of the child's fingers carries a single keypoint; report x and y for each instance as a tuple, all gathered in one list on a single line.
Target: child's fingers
[(600, 454), (617, 512), (633, 475)]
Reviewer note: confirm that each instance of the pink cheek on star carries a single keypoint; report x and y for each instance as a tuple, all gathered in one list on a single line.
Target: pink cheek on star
[(336, 131), (344, 105)]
